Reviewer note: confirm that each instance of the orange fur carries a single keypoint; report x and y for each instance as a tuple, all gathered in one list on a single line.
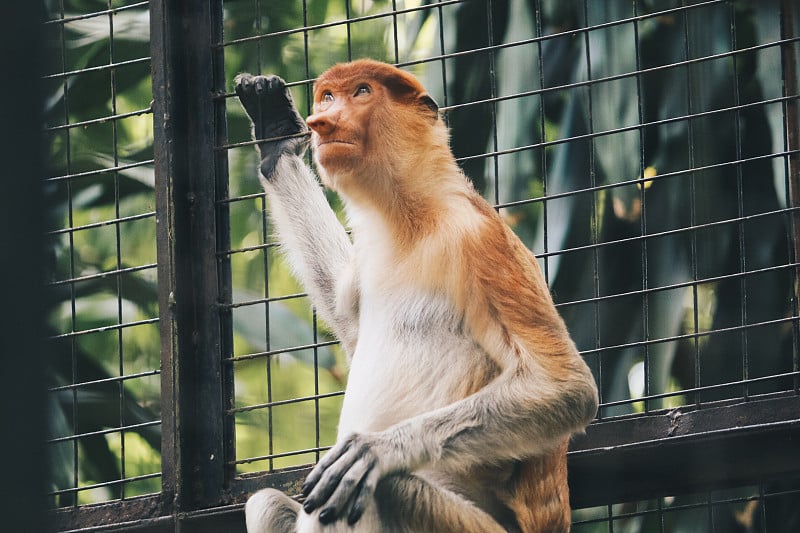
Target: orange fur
[(385, 153), (381, 120), (541, 494)]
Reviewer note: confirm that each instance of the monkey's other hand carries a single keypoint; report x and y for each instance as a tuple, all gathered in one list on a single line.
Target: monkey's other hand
[(268, 102), (344, 481)]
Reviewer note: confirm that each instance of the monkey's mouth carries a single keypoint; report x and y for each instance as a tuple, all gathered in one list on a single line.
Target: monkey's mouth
[(334, 141)]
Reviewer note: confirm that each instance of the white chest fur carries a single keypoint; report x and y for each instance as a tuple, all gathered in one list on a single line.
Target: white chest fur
[(412, 356), (412, 353)]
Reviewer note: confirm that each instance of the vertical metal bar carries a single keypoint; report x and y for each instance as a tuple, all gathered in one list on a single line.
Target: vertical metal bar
[(163, 132), (186, 118), (656, 404), (792, 126), (740, 206), (443, 51), (538, 32), (73, 311), (118, 242), (225, 276), (394, 33), (493, 95), (593, 216), (692, 203)]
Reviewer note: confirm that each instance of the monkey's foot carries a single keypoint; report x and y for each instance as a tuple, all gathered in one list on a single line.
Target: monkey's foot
[(269, 104)]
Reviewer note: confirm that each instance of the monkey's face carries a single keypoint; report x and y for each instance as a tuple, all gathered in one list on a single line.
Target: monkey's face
[(342, 125), (370, 120)]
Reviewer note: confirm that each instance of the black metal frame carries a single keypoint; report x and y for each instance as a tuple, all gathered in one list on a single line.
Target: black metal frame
[(613, 461), (192, 279)]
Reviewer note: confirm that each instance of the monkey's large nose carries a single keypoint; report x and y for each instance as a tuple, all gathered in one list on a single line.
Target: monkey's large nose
[(323, 123)]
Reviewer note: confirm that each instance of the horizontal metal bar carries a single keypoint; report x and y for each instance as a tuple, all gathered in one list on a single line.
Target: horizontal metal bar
[(658, 177), (110, 222), (712, 501), (667, 233), (617, 77), (365, 18), (94, 14), (292, 453), (290, 401), (101, 120), (696, 335), (117, 168), (259, 141), (116, 379), (101, 275), (102, 329), (140, 511), (681, 285), (636, 127), (245, 249), (121, 429), (695, 447), (244, 197), (260, 355), (695, 390), (115, 482), (270, 299), (99, 68)]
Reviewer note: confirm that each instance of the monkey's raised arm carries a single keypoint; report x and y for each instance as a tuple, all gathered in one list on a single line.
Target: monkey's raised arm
[(318, 247)]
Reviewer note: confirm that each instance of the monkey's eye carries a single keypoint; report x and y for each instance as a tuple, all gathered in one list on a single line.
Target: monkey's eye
[(327, 97), (363, 89)]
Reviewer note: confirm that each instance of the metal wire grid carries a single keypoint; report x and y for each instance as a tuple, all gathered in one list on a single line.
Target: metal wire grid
[(313, 43), (757, 508), (103, 370)]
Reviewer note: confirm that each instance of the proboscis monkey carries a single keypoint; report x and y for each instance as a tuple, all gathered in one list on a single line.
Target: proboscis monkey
[(464, 384)]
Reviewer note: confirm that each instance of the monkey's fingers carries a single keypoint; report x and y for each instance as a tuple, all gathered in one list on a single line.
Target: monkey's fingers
[(269, 104), (317, 472), (346, 491), (330, 478), (364, 493)]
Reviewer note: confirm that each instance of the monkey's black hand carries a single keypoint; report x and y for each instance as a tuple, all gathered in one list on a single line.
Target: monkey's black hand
[(344, 481), (268, 102)]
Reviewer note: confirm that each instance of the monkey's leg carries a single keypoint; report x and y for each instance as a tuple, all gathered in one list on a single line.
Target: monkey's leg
[(268, 102), (271, 511), (407, 503)]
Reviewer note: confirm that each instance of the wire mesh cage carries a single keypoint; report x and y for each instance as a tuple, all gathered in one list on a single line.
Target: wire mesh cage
[(646, 152), (103, 366), (641, 153), (760, 507)]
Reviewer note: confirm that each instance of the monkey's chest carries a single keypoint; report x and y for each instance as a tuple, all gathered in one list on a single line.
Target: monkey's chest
[(412, 356)]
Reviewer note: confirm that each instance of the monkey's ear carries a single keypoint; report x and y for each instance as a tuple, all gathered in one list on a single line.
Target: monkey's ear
[(428, 102)]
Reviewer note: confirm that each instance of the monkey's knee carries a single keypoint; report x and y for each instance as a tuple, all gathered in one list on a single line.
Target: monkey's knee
[(369, 522), (271, 511)]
